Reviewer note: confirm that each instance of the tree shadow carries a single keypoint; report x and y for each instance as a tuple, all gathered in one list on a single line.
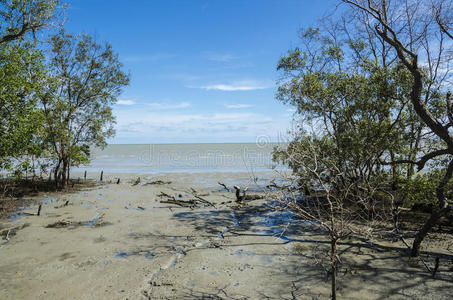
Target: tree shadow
[(387, 267)]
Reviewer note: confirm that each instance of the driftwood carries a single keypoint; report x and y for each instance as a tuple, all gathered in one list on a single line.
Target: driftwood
[(96, 222), (59, 224), (137, 181), (85, 176), (102, 176), (199, 197), (182, 203), (253, 197), (7, 233), (118, 181), (185, 203), (224, 186), (241, 197), (158, 182), (39, 210), (162, 194)]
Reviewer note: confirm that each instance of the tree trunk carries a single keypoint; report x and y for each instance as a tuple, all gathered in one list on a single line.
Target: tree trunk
[(430, 223), (56, 172), (394, 171), (63, 173), (444, 208), (333, 262), (68, 171)]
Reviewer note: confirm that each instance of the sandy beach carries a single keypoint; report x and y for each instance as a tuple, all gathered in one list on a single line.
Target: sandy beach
[(118, 241)]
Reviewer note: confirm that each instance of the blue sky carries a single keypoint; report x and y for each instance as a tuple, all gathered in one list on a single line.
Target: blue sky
[(201, 71)]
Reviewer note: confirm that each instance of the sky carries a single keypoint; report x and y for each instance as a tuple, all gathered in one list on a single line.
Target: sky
[(201, 71)]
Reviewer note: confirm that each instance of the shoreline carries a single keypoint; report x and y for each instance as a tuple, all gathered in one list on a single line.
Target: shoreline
[(118, 241)]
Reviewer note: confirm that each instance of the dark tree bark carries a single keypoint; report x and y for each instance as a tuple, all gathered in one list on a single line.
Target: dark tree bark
[(443, 209), (333, 258)]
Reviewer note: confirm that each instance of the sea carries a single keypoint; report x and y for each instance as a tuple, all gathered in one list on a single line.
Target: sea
[(186, 158)]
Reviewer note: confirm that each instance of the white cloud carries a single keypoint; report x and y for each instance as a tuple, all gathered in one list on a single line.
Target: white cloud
[(238, 105), (141, 125), (165, 106), (291, 110), (125, 102), (237, 86)]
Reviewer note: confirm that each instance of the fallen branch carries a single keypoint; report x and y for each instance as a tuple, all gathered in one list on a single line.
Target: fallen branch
[(184, 203), (59, 224), (224, 186), (240, 198), (195, 194), (162, 194), (181, 203), (204, 200), (158, 182), (8, 232), (136, 181)]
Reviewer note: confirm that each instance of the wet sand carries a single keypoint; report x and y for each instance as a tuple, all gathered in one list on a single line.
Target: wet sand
[(119, 242)]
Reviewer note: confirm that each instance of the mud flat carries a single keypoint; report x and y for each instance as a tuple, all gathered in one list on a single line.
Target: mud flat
[(118, 241)]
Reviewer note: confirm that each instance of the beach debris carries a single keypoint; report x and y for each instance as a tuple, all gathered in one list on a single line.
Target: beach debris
[(7, 233), (194, 192), (84, 175), (158, 182), (97, 221), (199, 197), (241, 197), (137, 181), (102, 176), (224, 186), (118, 181), (59, 224), (39, 210), (162, 194), (140, 208), (191, 203)]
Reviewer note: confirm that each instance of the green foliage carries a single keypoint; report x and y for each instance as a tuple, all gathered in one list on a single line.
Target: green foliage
[(21, 73), (420, 190), (355, 113), (86, 79), (19, 17), (356, 109)]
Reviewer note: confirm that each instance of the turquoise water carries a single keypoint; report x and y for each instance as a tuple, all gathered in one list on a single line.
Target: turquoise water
[(161, 158)]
